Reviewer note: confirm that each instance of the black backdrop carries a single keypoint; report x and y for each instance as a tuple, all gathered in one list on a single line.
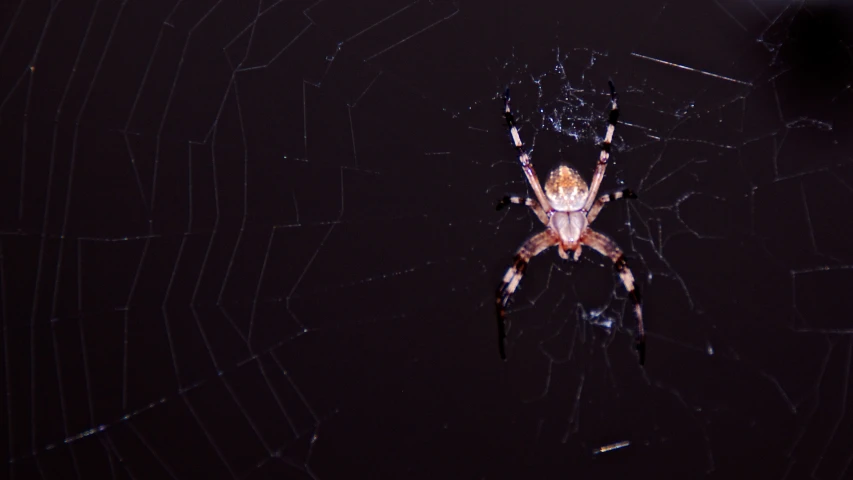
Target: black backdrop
[(244, 239)]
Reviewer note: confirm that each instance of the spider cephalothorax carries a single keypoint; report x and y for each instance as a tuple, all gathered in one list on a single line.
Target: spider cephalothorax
[(567, 207)]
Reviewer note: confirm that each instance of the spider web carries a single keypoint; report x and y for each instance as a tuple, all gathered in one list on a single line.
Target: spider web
[(254, 239)]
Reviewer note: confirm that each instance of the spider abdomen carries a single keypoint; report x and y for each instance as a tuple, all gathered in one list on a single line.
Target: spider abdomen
[(566, 189)]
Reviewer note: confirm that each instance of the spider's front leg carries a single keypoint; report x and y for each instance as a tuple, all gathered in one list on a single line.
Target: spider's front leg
[(607, 247), (532, 247)]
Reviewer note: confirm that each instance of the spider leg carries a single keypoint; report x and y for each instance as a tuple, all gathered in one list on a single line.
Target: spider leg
[(599, 203), (605, 149), (533, 204), (532, 247), (607, 247), (524, 158)]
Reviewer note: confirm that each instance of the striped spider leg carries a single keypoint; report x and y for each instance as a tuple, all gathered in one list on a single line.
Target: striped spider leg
[(607, 197), (566, 206)]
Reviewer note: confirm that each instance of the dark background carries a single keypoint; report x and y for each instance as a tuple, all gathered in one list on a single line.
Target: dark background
[(258, 240)]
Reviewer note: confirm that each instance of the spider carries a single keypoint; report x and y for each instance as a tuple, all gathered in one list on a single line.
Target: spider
[(567, 207)]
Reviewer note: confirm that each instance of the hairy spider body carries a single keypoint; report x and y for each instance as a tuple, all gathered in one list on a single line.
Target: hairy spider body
[(566, 206), (566, 189)]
